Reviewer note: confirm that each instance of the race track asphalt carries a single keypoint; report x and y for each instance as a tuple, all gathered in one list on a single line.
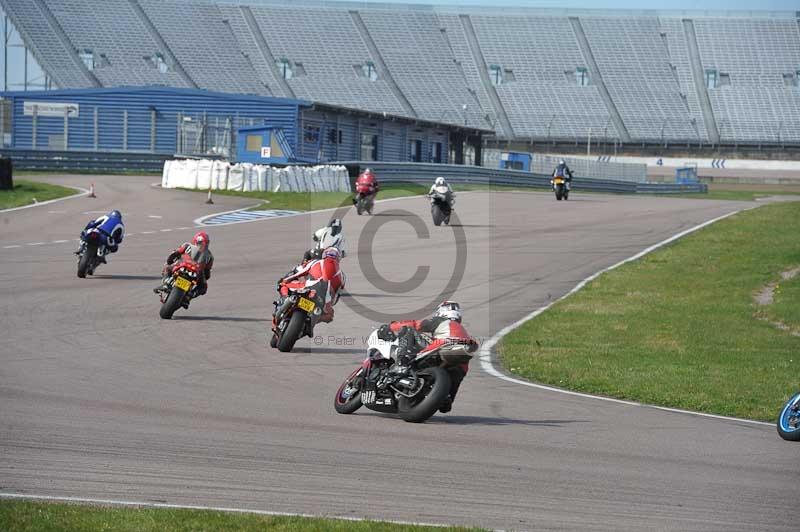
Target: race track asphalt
[(99, 398)]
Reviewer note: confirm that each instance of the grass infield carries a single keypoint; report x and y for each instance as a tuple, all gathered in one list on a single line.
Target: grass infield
[(29, 516), (24, 192), (679, 327)]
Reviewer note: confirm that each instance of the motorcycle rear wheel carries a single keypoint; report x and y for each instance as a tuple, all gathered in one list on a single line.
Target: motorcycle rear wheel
[(173, 303), (424, 409), (85, 262), (350, 404), (789, 413), (292, 331)]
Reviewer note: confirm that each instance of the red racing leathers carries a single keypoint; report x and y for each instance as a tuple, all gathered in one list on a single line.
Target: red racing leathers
[(312, 271)]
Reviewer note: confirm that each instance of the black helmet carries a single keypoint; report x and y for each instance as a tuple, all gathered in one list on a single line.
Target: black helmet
[(115, 214), (336, 226)]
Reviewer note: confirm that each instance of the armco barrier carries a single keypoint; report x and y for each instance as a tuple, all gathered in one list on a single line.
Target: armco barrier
[(85, 160), (424, 173)]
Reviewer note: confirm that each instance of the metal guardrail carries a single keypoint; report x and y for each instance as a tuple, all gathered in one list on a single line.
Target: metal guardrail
[(85, 160), (425, 173)]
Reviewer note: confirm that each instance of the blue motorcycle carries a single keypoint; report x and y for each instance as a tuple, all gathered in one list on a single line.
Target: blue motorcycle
[(789, 420)]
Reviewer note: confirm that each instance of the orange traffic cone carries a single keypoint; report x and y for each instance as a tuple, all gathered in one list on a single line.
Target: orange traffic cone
[(91, 191)]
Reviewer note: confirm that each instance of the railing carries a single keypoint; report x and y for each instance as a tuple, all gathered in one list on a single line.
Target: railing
[(425, 173), (85, 161)]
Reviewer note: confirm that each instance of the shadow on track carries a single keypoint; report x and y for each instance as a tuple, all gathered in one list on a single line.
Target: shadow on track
[(498, 421), (326, 350), (490, 226), (123, 277), (218, 318)]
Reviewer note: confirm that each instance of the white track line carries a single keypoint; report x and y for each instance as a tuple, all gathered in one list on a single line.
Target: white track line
[(485, 353), (114, 502), (83, 192)]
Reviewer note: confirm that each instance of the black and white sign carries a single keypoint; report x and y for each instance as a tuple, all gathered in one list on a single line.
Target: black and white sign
[(51, 109)]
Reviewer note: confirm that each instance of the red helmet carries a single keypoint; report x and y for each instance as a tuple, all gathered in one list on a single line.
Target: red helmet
[(201, 239)]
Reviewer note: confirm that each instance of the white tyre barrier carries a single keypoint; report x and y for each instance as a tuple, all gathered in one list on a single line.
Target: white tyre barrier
[(221, 175)]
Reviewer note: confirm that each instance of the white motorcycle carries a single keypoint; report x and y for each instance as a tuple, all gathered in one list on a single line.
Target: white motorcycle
[(442, 201)]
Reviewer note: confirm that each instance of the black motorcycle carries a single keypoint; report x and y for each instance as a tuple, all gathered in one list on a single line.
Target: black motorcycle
[(415, 394), (91, 253)]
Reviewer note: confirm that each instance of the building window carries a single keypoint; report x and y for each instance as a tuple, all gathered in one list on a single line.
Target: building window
[(87, 56), (369, 147), (311, 134), (724, 79), (285, 68), (415, 147), (711, 79), (157, 61), (791, 79), (436, 152), (496, 74), (335, 136), (369, 71), (582, 77), (254, 143)]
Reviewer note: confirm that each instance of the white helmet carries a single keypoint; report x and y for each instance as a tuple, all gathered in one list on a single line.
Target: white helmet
[(561, 161), (449, 310), (439, 181)]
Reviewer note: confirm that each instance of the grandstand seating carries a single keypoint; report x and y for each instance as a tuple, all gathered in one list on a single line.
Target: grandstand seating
[(431, 62), (755, 53), (116, 32), (419, 58), (634, 64), (328, 45)]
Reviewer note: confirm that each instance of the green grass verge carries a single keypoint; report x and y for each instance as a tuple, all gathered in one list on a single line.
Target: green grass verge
[(29, 516), (678, 327), (24, 192), (786, 305)]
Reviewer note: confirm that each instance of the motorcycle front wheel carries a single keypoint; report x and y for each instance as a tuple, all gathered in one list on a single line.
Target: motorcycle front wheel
[(348, 398), (435, 390), (789, 419), (438, 215), (173, 303), (292, 332)]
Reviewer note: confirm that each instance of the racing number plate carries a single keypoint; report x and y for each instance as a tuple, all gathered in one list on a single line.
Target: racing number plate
[(183, 283), (306, 304)]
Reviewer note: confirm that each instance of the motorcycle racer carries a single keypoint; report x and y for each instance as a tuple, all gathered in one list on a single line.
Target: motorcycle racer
[(367, 187), (111, 227), (443, 327), (198, 250), (312, 270), (439, 186), (326, 237), (562, 170)]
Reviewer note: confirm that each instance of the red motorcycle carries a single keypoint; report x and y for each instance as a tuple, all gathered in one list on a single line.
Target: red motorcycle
[(365, 196), (415, 395), (181, 287), (307, 297)]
